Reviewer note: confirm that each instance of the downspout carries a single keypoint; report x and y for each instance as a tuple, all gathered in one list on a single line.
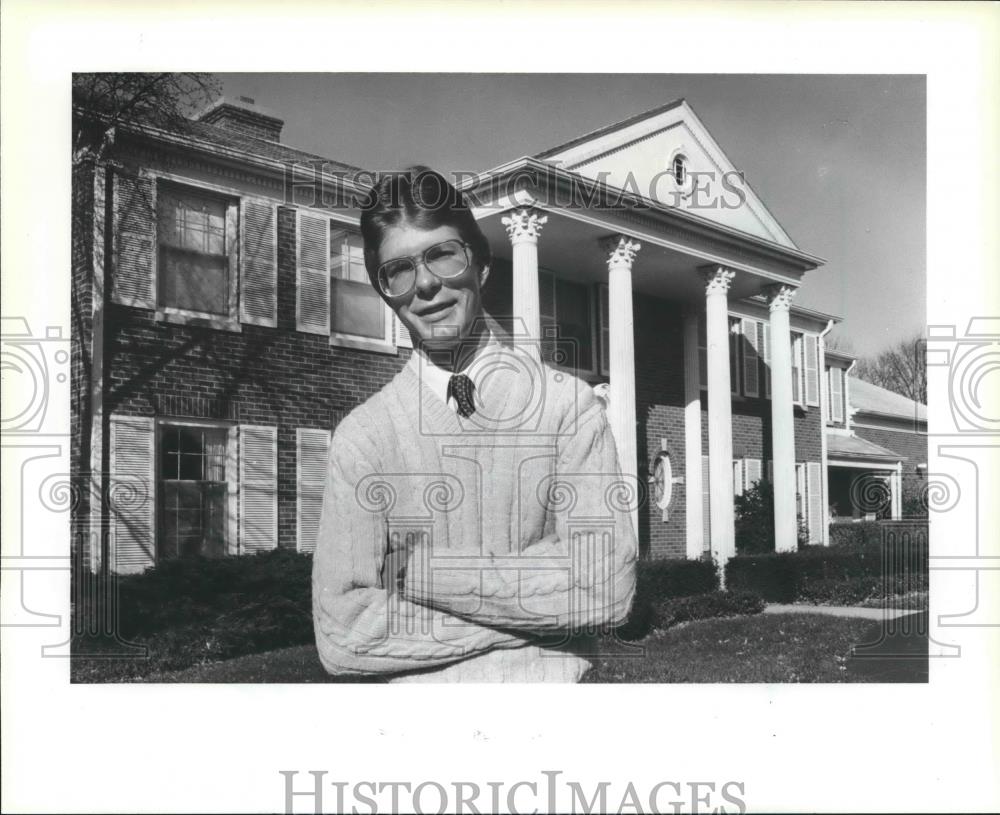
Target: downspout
[(824, 407)]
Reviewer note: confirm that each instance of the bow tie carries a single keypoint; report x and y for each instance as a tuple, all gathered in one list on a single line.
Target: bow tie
[(461, 387)]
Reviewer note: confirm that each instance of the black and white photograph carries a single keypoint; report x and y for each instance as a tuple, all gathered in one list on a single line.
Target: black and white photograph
[(598, 375), (471, 410)]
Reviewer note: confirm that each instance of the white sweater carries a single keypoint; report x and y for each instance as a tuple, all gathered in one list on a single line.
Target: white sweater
[(514, 526)]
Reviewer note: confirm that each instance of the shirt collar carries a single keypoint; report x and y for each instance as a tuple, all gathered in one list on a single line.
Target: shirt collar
[(436, 378)]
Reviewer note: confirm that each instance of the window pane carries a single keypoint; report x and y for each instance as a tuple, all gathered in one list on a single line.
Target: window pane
[(191, 221), (573, 314), (356, 308), (347, 257), (194, 264), (193, 281)]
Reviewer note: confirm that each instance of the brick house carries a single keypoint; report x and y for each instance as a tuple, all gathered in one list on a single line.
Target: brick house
[(874, 437), (224, 322)]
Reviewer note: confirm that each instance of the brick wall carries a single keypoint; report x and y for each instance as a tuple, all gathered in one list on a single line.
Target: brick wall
[(81, 344), (659, 396), (268, 376)]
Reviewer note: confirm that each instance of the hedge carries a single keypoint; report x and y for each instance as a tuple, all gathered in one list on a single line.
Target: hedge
[(658, 580), (859, 533), (267, 589), (783, 577), (705, 606)]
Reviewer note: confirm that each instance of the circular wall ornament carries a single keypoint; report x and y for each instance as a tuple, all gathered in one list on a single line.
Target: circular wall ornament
[(663, 479)]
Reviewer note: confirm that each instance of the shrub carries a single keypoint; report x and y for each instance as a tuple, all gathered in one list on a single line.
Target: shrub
[(705, 606), (755, 521), (858, 533), (858, 590), (196, 591), (657, 580), (783, 576)]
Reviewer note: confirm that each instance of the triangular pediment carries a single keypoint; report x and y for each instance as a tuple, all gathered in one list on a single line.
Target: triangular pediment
[(638, 155)]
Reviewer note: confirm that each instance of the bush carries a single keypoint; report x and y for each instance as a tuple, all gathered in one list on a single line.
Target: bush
[(858, 533), (197, 591), (705, 606), (657, 580), (858, 590), (755, 521), (783, 577)]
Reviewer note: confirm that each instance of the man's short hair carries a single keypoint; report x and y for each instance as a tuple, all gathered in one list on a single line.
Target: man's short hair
[(423, 197)]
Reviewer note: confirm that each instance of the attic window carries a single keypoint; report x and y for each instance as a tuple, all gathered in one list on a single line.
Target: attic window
[(679, 169)]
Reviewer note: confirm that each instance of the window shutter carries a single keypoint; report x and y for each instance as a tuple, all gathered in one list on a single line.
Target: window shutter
[(737, 476), (312, 448), (751, 368), (259, 263), (815, 501), (796, 368), (706, 510), (135, 241), (800, 488), (837, 394), (702, 353), (258, 488), (403, 338), (810, 348), (132, 494), (734, 356), (752, 471), (604, 327), (312, 274), (766, 356)]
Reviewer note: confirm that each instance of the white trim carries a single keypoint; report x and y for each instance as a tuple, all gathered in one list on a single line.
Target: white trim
[(182, 316), (874, 466), (232, 473), (586, 152)]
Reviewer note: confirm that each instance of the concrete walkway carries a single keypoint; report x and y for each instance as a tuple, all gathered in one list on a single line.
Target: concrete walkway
[(840, 611)]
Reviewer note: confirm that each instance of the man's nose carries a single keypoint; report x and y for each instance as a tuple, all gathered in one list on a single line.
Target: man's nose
[(427, 282)]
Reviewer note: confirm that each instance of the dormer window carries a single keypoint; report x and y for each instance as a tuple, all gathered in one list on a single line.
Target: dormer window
[(678, 167)]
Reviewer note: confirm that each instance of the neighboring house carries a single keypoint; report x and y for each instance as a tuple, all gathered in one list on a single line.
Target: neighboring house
[(224, 323), (876, 444)]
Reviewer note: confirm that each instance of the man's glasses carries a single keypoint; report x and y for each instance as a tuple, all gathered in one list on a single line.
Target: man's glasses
[(445, 260)]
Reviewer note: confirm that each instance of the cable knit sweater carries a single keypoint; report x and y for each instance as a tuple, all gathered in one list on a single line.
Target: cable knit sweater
[(513, 525)]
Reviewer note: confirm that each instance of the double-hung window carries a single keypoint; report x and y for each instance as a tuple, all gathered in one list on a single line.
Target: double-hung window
[(196, 245), (356, 310), (194, 491)]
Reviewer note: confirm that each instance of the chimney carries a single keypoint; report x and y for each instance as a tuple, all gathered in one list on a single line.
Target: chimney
[(241, 115)]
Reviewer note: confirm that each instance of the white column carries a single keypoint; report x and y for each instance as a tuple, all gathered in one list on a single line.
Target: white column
[(524, 226), (621, 410), (782, 420), (720, 416), (693, 474), (895, 491)]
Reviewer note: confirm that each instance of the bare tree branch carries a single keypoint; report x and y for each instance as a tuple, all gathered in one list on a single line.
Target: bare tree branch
[(901, 369)]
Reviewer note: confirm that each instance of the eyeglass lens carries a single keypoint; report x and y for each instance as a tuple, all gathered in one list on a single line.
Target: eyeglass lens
[(445, 260)]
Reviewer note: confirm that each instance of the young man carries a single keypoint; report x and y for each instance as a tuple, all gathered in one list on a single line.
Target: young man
[(475, 523)]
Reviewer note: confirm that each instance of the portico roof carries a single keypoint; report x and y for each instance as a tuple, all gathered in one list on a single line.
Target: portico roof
[(840, 445)]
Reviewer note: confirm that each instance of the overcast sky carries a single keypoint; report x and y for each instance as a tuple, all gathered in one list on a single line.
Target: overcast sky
[(838, 160)]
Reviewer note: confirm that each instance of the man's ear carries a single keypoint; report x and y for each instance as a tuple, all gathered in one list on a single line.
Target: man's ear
[(484, 276)]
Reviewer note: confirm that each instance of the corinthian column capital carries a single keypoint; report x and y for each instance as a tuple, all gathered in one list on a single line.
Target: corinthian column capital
[(621, 250), (717, 279), (524, 224), (779, 296)]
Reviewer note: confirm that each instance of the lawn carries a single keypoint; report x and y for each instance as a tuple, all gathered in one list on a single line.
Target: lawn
[(759, 648)]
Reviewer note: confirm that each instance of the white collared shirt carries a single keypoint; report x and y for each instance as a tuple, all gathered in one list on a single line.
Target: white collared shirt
[(437, 378)]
